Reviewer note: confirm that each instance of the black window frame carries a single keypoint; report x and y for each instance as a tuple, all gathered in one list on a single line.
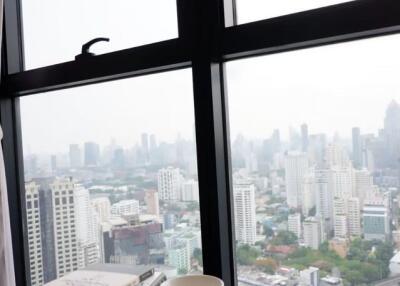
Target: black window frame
[(208, 37)]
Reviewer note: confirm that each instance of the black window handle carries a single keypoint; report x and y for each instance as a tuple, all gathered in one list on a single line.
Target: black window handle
[(86, 47)]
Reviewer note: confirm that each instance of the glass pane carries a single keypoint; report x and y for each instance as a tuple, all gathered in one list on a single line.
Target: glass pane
[(315, 140), (111, 178), (250, 11), (54, 31)]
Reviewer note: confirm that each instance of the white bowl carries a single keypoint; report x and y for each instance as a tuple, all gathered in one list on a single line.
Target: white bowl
[(194, 280)]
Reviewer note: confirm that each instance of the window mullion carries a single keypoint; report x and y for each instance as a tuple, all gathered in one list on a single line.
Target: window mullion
[(212, 141), (13, 61)]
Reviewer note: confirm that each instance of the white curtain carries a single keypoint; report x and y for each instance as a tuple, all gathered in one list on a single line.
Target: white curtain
[(6, 257)]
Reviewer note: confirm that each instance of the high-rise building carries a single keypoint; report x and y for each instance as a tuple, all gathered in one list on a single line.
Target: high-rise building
[(341, 181), (152, 202), (296, 166), (153, 142), (118, 160), (304, 137), (92, 154), (363, 184), (190, 191), (340, 217), (276, 141), (102, 207), (125, 208), (354, 216), (336, 156), (75, 156), (347, 217), (245, 211), (357, 148), (145, 147), (376, 222), (169, 184), (309, 194), (87, 228), (324, 199), (313, 232), (34, 233), (294, 224), (58, 227), (316, 148), (64, 226), (392, 134)]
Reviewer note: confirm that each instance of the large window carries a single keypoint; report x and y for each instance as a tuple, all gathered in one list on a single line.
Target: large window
[(111, 177), (250, 11), (54, 31), (278, 136), (315, 147)]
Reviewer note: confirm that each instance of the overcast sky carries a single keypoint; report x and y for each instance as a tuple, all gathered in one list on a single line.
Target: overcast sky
[(330, 88)]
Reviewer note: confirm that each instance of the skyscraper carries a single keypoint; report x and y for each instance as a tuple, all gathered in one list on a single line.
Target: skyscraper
[(363, 184), (145, 147), (34, 233), (308, 196), (153, 142), (169, 184), (245, 211), (304, 137), (341, 182), (58, 227), (354, 216), (296, 166), (324, 199), (392, 134), (87, 228), (75, 156), (357, 148), (64, 226), (294, 224), (336, 156), (92, 154), (340, 218)]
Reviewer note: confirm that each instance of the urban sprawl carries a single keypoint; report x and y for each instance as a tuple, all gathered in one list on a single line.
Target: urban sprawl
[(312, 210)]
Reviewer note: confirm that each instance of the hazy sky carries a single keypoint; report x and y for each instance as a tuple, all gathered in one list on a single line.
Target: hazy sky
[(331, 88)]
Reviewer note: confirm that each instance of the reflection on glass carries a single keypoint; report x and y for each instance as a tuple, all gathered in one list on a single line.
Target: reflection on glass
[(250, 11), (111, 178), (315, 156), (54, 31)]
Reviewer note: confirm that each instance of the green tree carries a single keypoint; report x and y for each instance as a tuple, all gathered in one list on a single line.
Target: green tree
[(284, 237), (247, 255), (354, 277), (268, 231), (268, 269), (198, 255), (312, 211), (192, 206)]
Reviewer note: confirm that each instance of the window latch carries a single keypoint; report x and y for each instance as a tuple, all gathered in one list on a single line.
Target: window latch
[(86, 47)]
